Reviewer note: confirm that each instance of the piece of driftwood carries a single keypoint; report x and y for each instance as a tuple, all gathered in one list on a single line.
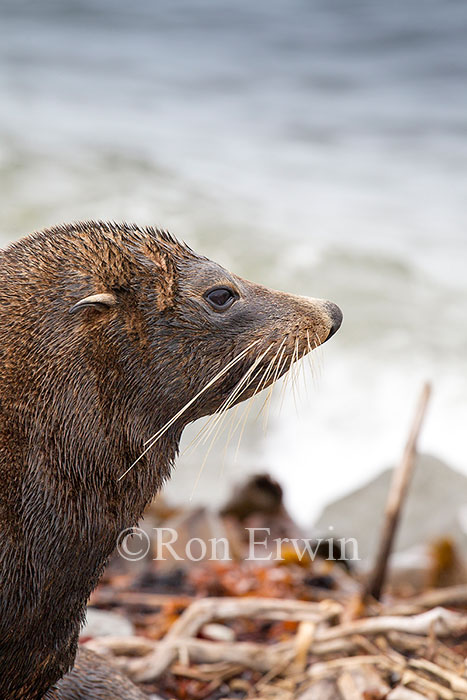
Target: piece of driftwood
[(397, 493), (334, 666), (207, 672), (259, 657), (203, 611), (302, 643), (443, 622), (132, 646), (207, 609), (451, 595)]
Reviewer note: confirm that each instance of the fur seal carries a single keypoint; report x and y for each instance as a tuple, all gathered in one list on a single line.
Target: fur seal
[(109, 334)]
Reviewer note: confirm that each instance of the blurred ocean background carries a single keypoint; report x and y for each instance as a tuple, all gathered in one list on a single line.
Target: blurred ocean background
[(318, 146)]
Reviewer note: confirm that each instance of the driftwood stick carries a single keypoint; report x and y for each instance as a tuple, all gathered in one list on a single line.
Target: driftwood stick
[(111, 646), (325, 668), (207, 609), (452, 596), (443, 622), (397, 492), (259, 657)]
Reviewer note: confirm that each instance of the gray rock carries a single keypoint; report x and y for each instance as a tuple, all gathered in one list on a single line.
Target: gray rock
[(102, 623), (217, 632), (436, 507)]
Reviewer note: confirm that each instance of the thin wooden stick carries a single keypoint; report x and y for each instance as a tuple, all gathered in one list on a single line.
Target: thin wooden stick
[(452, 596), (397, 493), (442, 621)]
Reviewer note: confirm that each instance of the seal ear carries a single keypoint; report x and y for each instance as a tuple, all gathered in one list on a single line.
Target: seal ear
[(98, 301)]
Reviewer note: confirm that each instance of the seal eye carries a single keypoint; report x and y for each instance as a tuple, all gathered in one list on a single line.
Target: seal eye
[(220, 298)]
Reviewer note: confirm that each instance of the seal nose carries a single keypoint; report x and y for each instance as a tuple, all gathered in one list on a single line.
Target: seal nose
[(336, 317)]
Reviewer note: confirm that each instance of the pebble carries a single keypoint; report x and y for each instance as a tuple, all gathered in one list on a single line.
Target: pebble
[(103, 623), (218, 633)]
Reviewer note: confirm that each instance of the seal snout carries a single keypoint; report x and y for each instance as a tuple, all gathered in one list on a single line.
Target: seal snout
[(336, 318)]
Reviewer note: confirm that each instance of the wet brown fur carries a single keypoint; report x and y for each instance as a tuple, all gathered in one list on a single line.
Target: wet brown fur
[(79, 395)]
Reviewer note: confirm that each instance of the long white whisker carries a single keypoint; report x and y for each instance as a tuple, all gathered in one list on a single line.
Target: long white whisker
[(270, 369), (247, 379), (294, 374), (285, 383), (218, 415), (226, 405), (276, 374), (205, 388), (311, 360), (305, 383), (243, 418), (318, 356), (259, 387), (229, 435), (151, 442), (267, 404)]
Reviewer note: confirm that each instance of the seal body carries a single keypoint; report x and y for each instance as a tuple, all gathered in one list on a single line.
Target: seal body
[(94, 678), (153, 327)]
